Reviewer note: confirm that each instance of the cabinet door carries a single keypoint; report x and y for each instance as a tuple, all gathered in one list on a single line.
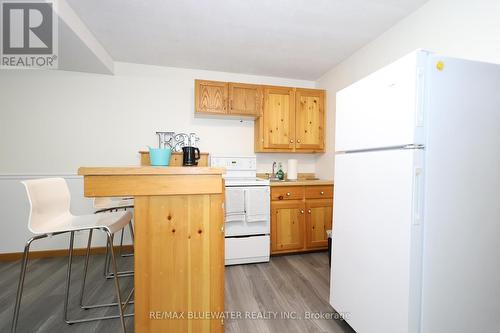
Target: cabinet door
[(287, 226), (279, 118), (211, 97), (310, 119), (245, 99), (319, 215)]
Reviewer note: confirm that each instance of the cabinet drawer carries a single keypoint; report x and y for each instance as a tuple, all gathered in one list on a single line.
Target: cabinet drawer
[(319, 192), (287, 193)]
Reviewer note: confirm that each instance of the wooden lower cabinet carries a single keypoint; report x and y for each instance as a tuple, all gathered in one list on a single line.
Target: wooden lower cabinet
[(298, 220), (319, 214), (287, 225)]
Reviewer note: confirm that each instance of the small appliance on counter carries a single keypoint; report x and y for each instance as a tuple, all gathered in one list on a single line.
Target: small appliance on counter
[(247, 210), (190, 156)]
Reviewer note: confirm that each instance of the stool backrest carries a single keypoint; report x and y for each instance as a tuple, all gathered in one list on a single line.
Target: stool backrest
[(49, 200), (102, 202)]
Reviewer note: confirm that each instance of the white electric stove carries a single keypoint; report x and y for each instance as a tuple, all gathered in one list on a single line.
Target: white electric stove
[(247, 210)]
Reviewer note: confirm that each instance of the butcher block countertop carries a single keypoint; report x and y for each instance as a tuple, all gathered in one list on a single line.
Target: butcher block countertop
[(148, 180), (148, 170)]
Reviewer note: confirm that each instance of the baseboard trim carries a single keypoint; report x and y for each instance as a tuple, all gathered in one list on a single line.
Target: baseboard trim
[(60, 253)]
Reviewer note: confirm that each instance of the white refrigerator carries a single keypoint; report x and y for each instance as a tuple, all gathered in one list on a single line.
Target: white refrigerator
[(416, 233)]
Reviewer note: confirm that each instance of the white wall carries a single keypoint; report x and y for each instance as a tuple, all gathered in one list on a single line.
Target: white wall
[(458, 28), (52, 122), (57, 121), (14, 215)]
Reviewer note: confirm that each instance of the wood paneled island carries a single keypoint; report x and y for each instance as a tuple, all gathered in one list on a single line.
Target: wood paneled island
[(179, 243)]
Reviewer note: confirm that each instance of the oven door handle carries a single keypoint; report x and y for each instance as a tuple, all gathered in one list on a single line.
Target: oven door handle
[(235, 213), (245, 201)]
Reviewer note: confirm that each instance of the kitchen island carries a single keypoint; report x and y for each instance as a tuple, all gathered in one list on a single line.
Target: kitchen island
[(179, 243)]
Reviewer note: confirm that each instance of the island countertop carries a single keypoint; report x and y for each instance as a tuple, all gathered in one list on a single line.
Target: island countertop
[(148, 170), (148, 180)]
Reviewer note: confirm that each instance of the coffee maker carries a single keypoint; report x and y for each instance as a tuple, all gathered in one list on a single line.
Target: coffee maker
[(190, 156)]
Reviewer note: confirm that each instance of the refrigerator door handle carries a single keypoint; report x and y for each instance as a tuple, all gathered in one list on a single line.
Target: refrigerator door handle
[(417, 196)]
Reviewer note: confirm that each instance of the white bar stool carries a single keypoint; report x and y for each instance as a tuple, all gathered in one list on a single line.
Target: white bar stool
[(107, 204), (49, 216)]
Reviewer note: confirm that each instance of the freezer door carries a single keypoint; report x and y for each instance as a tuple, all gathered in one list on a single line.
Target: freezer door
[(376, 257), (384, 109)]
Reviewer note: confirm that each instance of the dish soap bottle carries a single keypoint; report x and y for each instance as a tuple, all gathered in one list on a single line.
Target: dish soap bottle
[(280, 174)]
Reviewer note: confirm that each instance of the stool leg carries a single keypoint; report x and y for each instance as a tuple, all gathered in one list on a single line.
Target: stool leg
[(110, 275), (121, 242), (20, 286), (106, 260), (85, 268), (68, 283), (68, 277), (117, 283), (131, 229)]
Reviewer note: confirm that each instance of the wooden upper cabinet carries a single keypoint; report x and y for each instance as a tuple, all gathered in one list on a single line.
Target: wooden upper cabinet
[(287, 119), (211, 97), (293, 120), (309, 119), (245, 99), (227, 98), (279, 118)]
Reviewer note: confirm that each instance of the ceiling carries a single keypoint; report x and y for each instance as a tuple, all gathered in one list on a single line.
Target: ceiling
[(299, 39)]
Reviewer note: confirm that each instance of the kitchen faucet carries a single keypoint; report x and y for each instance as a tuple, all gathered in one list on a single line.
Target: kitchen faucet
[(273, 174)]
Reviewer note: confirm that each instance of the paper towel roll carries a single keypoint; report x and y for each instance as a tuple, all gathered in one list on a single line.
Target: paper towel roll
[(292, 170)]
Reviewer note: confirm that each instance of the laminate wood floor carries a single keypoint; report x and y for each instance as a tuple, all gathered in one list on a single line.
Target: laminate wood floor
[(296, 286)]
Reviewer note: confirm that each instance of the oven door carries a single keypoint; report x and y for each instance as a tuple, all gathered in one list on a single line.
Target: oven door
[(247, 211)]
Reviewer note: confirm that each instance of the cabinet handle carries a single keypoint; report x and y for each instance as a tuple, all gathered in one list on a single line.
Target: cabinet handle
[(302, 211), (309, 211), (291, 141), (321, 192), (222, 229), (298, 141), (288, 193)]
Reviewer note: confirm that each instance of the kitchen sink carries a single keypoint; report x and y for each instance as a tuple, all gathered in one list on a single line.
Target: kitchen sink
[(290, 181)]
